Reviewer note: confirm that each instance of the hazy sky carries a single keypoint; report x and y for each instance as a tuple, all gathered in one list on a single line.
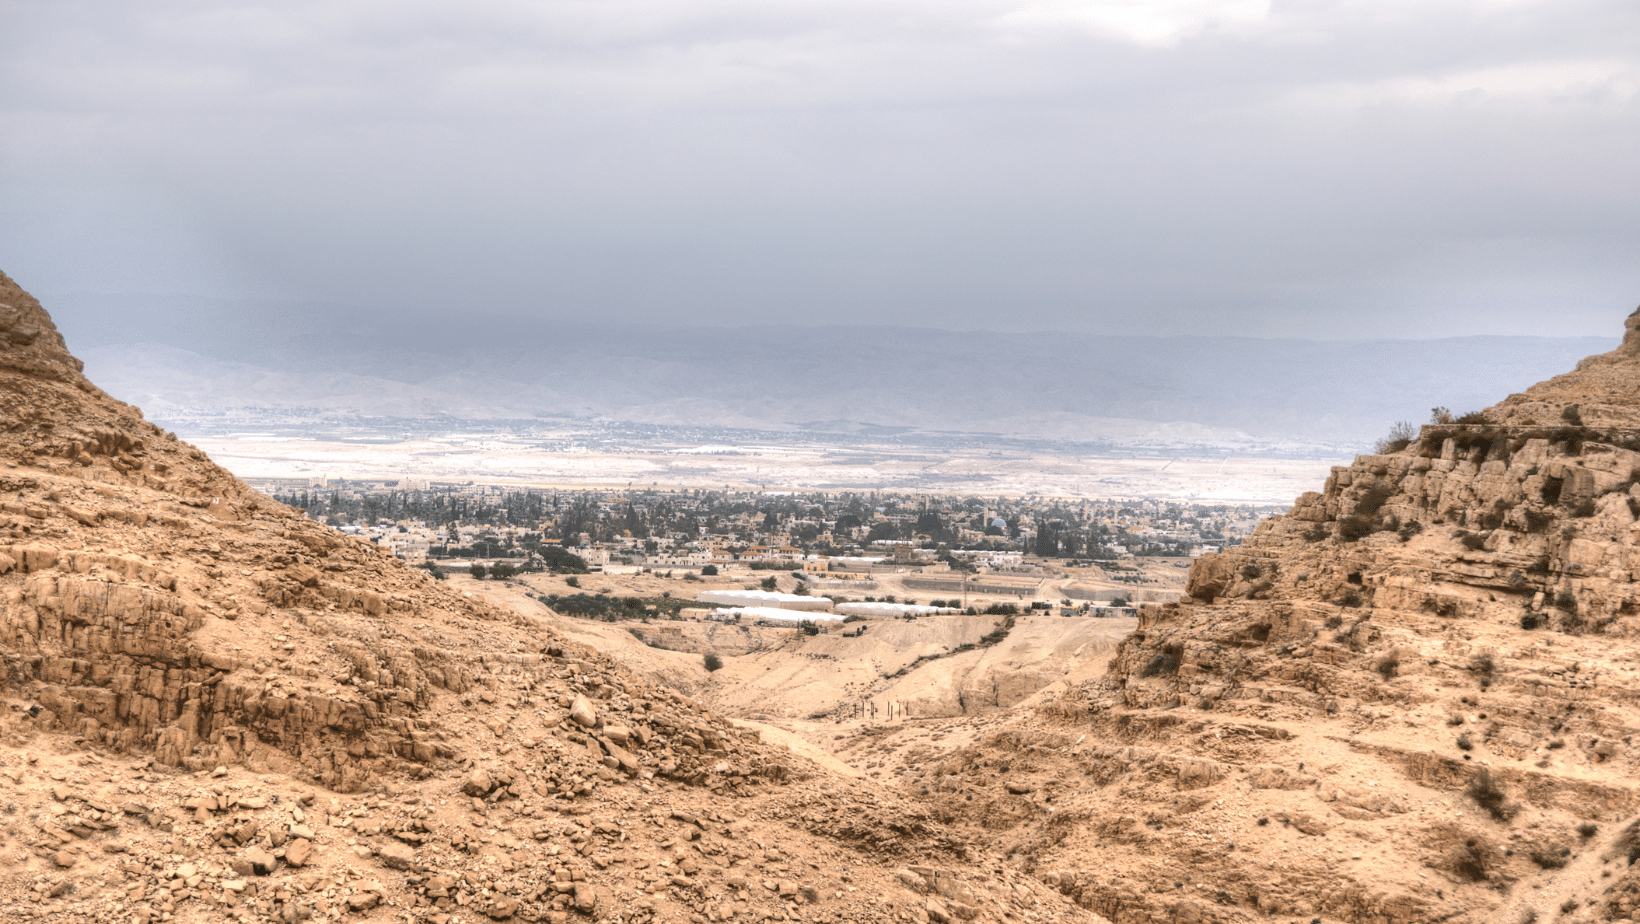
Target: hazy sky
[(1347, 168)]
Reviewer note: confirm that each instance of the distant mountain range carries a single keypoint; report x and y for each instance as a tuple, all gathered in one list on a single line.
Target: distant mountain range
[(191, 359)]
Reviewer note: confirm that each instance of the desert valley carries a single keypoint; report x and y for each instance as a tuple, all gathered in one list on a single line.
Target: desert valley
[(1409, 698)]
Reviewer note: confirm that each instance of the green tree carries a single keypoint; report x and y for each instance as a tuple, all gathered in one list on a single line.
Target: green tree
[(478, 571), (770, 583), (709, 570)]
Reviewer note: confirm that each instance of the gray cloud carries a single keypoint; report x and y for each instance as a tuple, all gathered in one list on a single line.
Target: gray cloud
[(1345, 168)]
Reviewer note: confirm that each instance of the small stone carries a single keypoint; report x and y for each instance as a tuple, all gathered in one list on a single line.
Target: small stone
[(502, 908), (398, 856), (234, 885), (362, 901), (586, 897), (477, 784), (262, 862), (582, 713), (219, 771), (297, 853), (63, 859)]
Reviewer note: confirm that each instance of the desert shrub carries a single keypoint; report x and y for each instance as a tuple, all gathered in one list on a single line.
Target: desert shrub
[(1550, 857), (1517, 580), (1538, 520), (1440, 415), (1373, 499), (1474, 542), (1354, 527), (1628, 843), (1485, 667), (1400, 436), (573, 581), (1165, 663), (434, 570), (1409, 529), (1334, 621), (1388, 666), (1454, 719), (1571, 415), (1565, 601), (1250, 571), (1351, 598), (1009, 609), (1316, 533), (1475, 860), (1489, 794), (1539, 565), (1471, 418), (1466, 742), (712, 662), (1587, 830), (1530, 621), (1585, 508), (1550, 492)]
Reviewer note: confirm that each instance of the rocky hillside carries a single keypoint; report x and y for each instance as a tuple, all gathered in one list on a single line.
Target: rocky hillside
[(1413, 698), (215, 708)]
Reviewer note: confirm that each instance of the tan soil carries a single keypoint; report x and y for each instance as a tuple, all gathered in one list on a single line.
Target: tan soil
[(214, 709)]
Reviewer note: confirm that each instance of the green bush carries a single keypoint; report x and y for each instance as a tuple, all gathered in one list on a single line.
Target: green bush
[(562, 561), (712, 662)]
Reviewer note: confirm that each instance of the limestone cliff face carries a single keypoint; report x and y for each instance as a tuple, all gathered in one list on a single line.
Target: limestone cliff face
[(150, 601), (1412, 698)]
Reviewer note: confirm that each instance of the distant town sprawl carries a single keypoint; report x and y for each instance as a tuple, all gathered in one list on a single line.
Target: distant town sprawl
[(653, 528)]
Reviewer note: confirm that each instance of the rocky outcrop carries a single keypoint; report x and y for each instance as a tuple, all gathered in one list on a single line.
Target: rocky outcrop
[(1412, 698)]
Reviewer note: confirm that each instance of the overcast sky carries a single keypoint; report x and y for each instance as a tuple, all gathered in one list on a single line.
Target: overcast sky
[(1325, 169)]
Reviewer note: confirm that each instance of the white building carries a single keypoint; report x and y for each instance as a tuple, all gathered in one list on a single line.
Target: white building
[(891, 610), (752, 614), (764, 598)]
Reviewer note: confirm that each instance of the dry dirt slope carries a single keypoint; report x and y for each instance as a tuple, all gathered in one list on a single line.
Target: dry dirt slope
[(212, 708), (1414, 698)]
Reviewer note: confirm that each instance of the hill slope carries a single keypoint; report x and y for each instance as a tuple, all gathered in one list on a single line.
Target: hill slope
[(216, 708), (1413, 698)]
